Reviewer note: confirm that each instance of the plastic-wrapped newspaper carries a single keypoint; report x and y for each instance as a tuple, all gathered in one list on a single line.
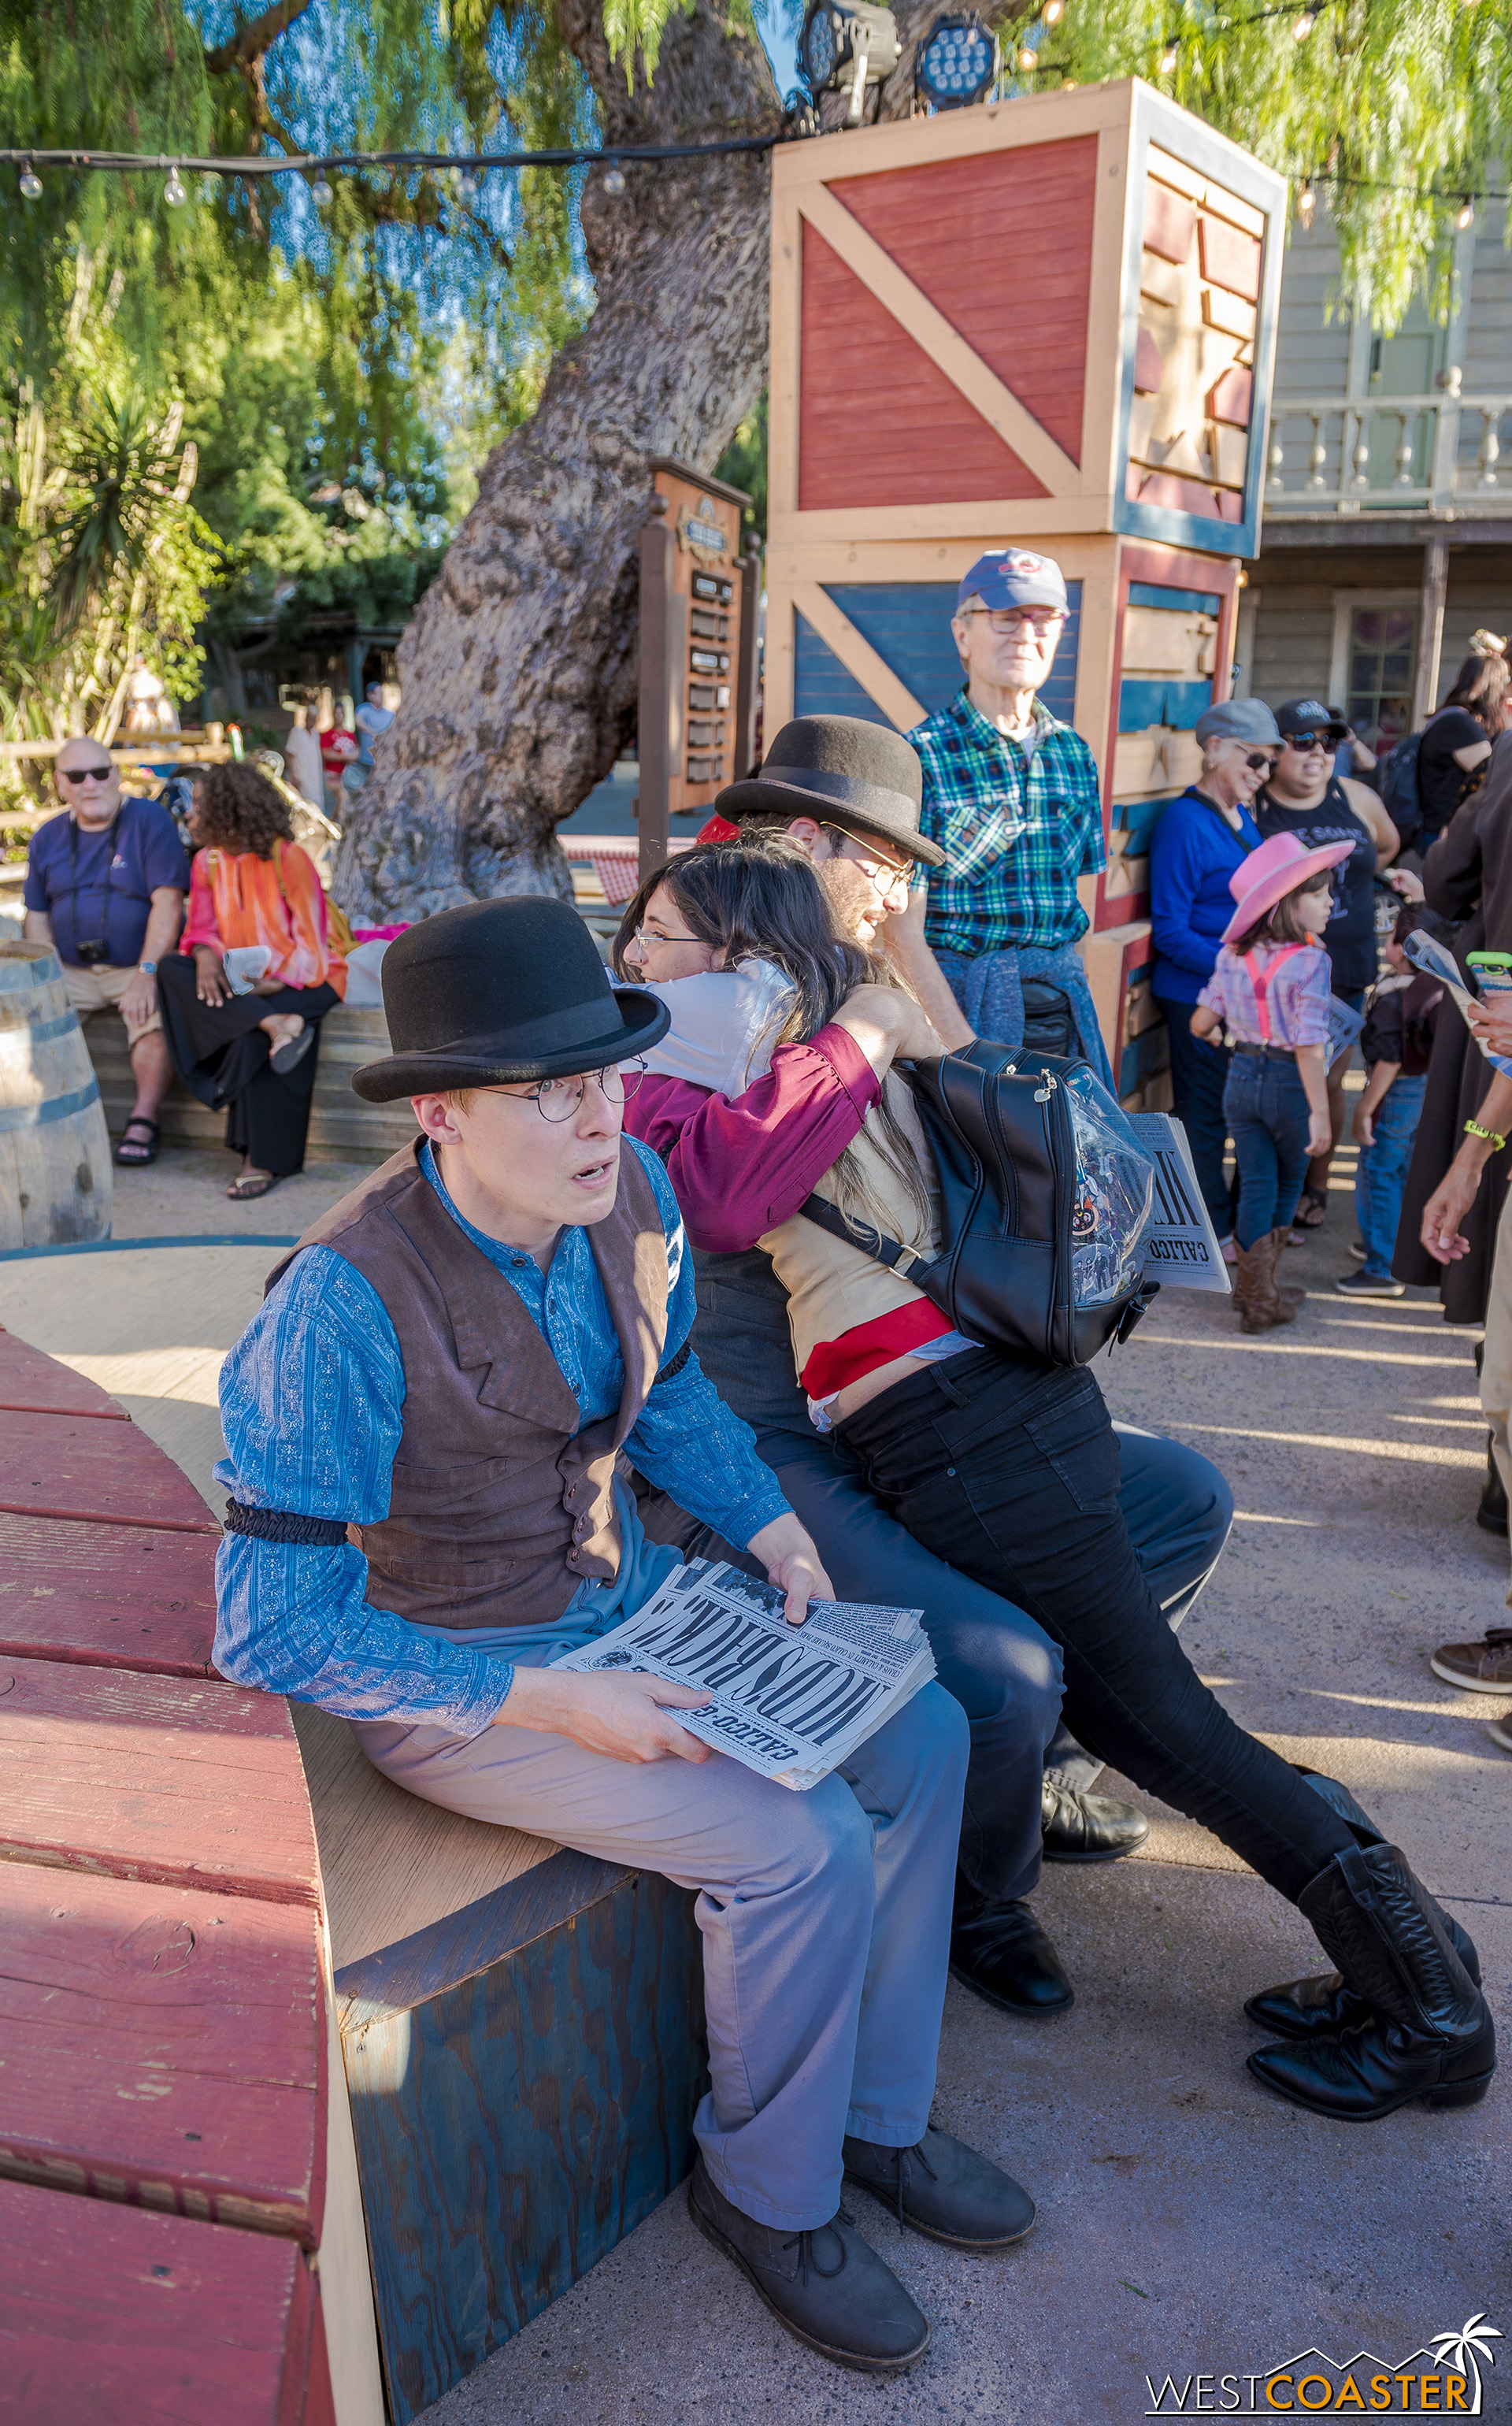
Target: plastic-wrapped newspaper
[(791, 1701)]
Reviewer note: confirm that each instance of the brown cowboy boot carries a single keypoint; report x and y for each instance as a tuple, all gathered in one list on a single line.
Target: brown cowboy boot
[(1254, 1290), (1288, 1299)]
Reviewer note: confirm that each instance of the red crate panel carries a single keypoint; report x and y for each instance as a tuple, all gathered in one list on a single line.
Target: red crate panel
[(107, 1594), (879, 420), (157, 1778), (112, 2317), (1231, 259), (31, 1380), (1169, 222), (1232, 397), (163, 2048), (1001, 245), (70, 1465)]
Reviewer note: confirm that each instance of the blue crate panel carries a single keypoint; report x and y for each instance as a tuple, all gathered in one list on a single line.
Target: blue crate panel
[(1141, 817), (1144, 1059), (1188, 602), (1144, 702), (907, 623)]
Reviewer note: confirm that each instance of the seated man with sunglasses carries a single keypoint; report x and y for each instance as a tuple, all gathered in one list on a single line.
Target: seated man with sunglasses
[(423, 1424), (1011, 795), (106, 883)]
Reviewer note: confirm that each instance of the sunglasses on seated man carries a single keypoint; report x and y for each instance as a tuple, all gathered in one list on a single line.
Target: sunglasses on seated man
[(87, 774)]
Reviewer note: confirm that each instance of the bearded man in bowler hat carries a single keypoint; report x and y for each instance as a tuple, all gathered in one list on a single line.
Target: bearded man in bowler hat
[(451, 1361)]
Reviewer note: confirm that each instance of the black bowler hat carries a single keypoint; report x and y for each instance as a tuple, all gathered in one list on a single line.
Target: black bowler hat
[(845, 772), (500, 992)]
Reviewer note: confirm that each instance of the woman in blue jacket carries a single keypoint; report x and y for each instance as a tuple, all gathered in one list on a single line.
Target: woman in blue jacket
[(1200, 841)]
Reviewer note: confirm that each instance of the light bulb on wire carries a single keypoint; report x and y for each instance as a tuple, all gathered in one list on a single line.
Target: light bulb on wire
[(1306, 203), (614, 178), (1465, 216), (31, 184), (1053, 11), (1167, 61), (1028, 61), (175, 192), (1302, 26), (320, 191)]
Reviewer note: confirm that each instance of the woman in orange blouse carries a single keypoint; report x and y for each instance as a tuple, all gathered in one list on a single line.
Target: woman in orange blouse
[(253, 1051)]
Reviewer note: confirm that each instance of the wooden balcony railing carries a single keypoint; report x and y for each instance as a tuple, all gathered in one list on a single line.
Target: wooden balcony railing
[(1433, 454)]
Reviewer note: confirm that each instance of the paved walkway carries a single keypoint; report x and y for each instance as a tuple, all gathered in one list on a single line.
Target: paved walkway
[(1189, 2222)]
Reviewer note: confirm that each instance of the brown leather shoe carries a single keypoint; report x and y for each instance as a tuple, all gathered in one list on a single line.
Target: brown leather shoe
[(1479, 1667)]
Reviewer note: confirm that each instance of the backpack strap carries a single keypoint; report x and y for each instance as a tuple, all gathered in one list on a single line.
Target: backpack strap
[(1260, 980), (882, 1251)]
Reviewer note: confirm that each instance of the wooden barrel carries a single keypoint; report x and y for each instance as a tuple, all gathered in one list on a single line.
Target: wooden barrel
[(54, 1149)]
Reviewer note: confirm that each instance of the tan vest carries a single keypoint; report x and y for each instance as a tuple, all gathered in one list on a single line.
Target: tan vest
[(833, 1288), (500, 1506)]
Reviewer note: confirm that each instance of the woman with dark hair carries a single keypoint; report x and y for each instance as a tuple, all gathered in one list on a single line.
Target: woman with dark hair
[(243, 1031), (1456, 742), (1008, 1466)]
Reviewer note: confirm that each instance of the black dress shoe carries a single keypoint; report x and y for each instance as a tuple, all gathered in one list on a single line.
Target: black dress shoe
[(1429, 2035), (1086, 1827), (943, 2190), (999, 1950), (827, 2287)]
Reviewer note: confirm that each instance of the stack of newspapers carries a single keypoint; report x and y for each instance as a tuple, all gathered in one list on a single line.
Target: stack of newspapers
[(791, 1701)]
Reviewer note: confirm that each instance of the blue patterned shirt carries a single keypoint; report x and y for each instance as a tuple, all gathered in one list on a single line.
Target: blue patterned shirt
[(1019, 826), (312, 1401)]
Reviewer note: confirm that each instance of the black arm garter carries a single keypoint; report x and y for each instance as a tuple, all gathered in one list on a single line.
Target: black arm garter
[(282, 1524)]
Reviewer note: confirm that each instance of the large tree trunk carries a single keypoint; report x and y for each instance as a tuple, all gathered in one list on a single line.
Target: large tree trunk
[(521, 669)]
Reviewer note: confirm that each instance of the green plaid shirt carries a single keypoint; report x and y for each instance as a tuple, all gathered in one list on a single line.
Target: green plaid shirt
[(1019, 829)]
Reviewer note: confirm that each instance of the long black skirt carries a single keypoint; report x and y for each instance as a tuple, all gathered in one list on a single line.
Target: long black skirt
[(224, 1058)]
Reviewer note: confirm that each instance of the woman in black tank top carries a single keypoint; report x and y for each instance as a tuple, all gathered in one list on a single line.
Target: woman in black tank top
[(1305, 798)]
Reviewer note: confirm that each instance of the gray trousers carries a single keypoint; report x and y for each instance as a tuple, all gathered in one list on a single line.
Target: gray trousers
[(825, 1919)]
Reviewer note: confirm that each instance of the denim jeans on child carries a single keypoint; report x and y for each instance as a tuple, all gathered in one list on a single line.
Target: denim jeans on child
[(1266, 1108), (1380, 1176)]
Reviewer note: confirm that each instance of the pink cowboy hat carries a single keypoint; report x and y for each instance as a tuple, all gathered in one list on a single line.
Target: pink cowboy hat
[(1276, 868)]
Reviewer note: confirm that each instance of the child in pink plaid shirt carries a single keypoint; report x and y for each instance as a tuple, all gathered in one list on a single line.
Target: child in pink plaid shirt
[(1270, 990)]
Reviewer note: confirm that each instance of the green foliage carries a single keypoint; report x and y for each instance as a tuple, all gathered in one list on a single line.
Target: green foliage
[(1397, 107), (744, 465)]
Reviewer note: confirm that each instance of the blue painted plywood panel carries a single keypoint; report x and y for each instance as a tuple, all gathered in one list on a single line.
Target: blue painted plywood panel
[(524, 2079), (1141, 817), (821, 685), (1145, 701), (1188, 602)]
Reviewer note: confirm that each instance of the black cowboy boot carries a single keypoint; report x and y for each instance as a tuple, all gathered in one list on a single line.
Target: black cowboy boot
[(1322, 2006), (1430, 2035), (1491, 1514)]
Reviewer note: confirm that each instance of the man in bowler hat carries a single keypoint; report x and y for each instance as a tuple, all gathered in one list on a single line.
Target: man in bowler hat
[(450, 1362)]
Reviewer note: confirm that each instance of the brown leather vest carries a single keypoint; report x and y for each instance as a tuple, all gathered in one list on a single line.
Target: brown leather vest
[(500, 1506)]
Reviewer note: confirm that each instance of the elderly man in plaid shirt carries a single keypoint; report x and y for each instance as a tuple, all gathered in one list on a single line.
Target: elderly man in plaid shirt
[(1011, 795)]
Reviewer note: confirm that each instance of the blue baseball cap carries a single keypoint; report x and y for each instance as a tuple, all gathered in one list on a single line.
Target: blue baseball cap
[(1014, 577)]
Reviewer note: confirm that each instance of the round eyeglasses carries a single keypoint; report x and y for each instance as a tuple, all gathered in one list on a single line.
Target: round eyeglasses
[(557, 1099)]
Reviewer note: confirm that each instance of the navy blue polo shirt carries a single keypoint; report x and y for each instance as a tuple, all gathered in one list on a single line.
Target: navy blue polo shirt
[(115, 888)]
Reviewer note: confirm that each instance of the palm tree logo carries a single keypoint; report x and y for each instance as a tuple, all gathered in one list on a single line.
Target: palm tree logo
[(1460, 2352)]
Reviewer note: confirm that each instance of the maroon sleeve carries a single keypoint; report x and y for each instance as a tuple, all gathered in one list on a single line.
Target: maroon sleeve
[(739, 1167)]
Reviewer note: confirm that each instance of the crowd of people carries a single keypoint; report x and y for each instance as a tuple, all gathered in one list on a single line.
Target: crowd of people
[(647, 1284)]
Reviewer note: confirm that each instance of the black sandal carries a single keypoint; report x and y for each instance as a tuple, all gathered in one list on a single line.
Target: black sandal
[(147, 1146), (1316, 1202)]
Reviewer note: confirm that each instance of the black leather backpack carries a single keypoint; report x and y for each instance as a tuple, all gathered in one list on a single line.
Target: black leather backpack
[(1005, 1154)]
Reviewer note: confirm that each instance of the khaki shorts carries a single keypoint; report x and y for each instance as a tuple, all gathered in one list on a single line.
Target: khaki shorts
[(100, 989)]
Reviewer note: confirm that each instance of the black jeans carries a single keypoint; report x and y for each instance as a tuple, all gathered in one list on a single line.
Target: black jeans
[(1010, 1471), (1197, 1075)]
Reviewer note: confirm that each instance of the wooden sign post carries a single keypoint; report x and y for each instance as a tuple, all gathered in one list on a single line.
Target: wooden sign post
[(700, 629)]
